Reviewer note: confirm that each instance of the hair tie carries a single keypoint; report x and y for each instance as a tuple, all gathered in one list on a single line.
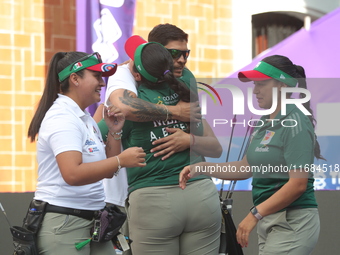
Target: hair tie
[(166, 72)]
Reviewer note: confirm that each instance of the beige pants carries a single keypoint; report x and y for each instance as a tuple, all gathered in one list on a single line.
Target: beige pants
[(292, 232), (60, 232), (166, 220)]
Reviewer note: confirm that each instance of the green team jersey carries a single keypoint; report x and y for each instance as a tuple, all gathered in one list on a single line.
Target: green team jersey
[(158, 172), (277, 148)]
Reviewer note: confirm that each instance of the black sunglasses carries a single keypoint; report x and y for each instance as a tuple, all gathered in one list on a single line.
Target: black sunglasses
[(96, 54), (176, 54)]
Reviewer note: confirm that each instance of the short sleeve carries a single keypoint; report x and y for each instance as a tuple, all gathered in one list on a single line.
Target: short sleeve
[(298, 142), (62, 134), (122, 79)]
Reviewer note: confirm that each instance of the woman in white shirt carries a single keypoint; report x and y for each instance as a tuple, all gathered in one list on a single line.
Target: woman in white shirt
[(72, 158)]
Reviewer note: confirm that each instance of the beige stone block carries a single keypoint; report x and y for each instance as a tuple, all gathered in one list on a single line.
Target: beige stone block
[(6, 100), (205, 66), (6, 84), (22, 40), (33, 85), (6, 8), (6, 55), (38, 48), (6, 129), (224, 69), (6, 115), (33, 26), (5, 70), (210, 53), (162, 8), (18, 81), (24, 161), (22, 100), (197, 10), (152, 21), (6, 39), (226, 54), (18, 56), (39, 71), (6, 24)]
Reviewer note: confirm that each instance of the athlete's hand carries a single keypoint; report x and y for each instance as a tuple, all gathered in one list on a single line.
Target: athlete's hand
[(114, 118), (132, 157), (244, 229), (186, 174), (177, 141), (189, 112)]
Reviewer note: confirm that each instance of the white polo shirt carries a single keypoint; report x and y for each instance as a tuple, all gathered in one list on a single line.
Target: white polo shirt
[(116, 188), (66, 127)]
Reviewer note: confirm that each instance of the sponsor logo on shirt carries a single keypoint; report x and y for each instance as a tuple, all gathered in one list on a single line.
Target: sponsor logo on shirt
[(90, 142), (262, 149), (92, 150), (267, 137), (172, 99)]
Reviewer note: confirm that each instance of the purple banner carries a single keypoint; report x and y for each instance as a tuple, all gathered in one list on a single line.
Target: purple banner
[(103, 26)]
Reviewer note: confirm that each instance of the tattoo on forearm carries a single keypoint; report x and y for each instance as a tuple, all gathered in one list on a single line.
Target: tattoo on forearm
[(144, 111)]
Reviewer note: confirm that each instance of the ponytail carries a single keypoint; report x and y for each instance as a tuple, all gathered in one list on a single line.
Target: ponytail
[(52, 87), (285, 64), (303, 84)]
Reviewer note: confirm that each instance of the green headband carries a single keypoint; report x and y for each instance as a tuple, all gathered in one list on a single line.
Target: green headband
[(139, 65), (78, 66), (276, 73)]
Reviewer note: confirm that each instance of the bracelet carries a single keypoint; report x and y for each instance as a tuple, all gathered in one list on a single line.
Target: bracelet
[(167, 112), (117, 133), (193, 140), (119, 166)]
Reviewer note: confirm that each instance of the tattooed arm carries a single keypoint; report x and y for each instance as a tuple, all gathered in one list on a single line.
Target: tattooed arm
[(136, 109)]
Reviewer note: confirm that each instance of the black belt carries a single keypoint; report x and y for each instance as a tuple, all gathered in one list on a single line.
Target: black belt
[(85, 214)]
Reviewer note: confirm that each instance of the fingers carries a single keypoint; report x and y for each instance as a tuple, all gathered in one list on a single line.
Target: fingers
[(133, 157), (160, 141), (168, 155), (242, 238), (113, 111), (184, 176), (173, 130)]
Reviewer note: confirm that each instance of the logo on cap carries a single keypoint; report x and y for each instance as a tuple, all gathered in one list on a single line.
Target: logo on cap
[(77, 65), (282, 77), (107, 67)]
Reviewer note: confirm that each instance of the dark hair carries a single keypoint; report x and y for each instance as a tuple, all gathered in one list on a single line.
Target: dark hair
[(298, 72), (158, 62), (164, 33), (52, 87)]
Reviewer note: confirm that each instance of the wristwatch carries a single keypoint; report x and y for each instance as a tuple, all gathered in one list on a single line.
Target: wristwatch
[(254, 211)]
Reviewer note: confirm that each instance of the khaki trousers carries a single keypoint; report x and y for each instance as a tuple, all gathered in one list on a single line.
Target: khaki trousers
[(167, 220), (292, 232), (60, 232)]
